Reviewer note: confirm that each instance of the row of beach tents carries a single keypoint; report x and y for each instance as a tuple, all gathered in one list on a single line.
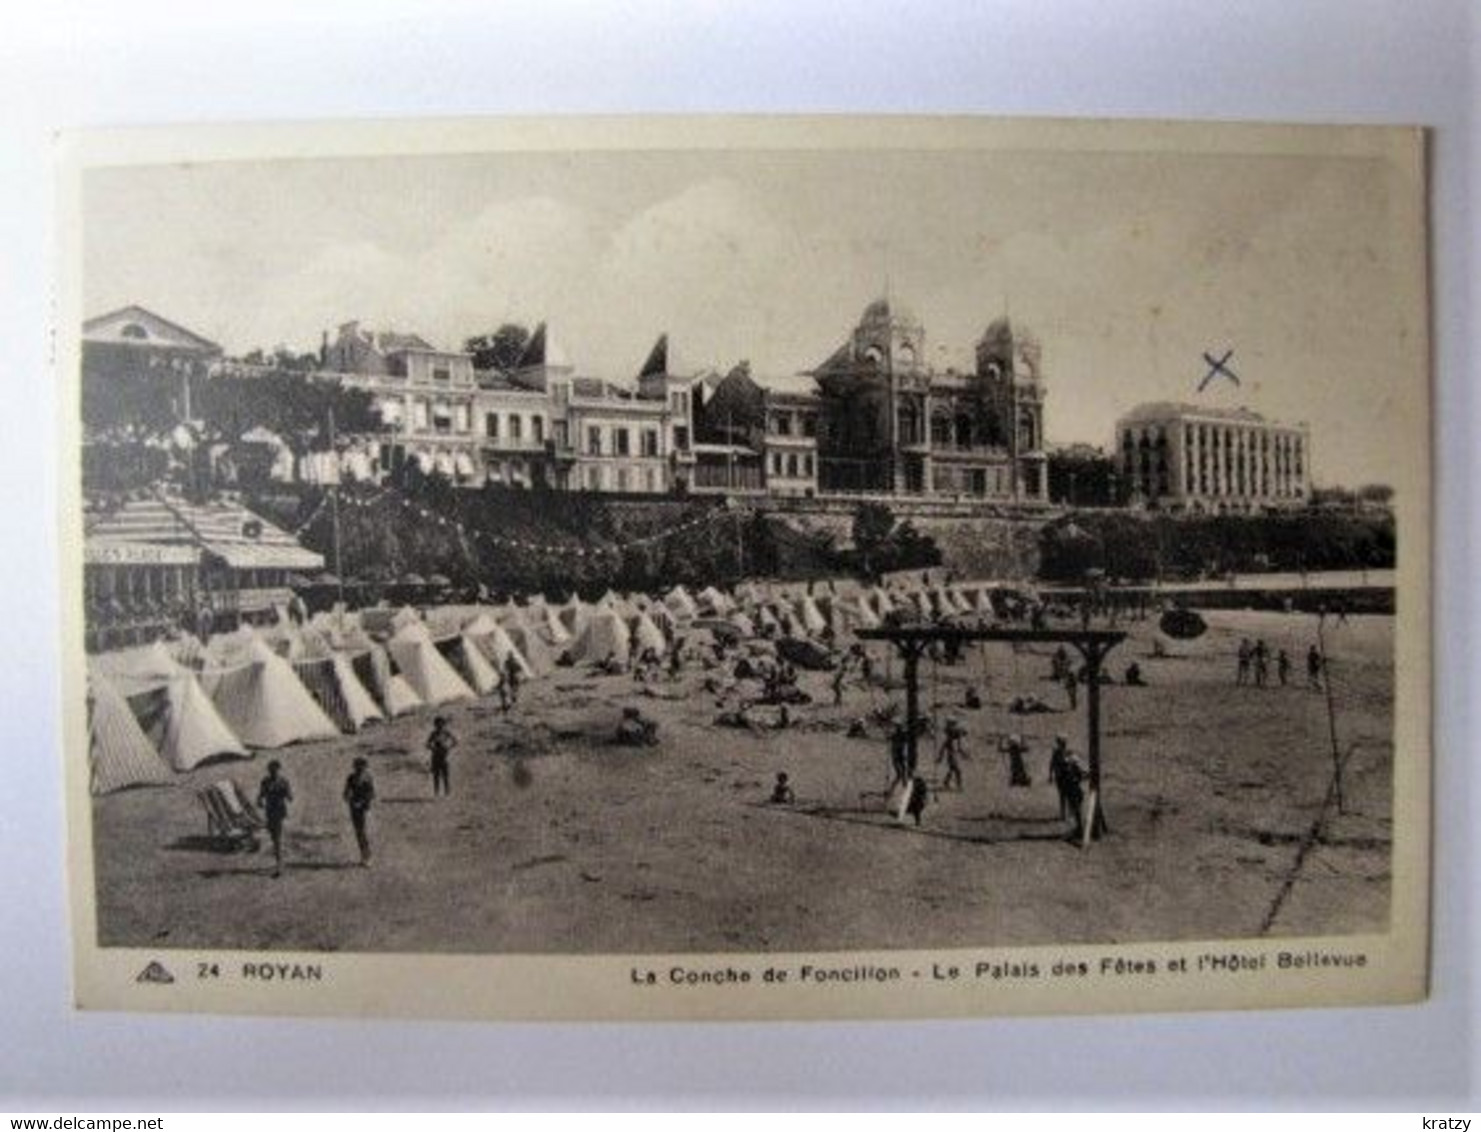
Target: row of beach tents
[(166, 708)]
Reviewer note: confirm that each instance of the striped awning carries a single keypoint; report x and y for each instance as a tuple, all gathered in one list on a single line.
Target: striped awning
[(229, 531)]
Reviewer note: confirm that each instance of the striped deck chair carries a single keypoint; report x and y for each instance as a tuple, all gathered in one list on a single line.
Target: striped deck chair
[(231, 820)]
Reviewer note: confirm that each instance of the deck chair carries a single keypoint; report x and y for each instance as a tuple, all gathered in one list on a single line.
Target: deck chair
[(231, 820)]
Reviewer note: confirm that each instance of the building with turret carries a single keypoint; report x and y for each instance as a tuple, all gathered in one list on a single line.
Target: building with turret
[(891, 424)]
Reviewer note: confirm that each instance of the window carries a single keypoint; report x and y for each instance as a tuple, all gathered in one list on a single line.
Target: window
[(491, 426), (537, 429), (807, 466), (621, 479), (650, 442), (652, 478), (133, 330), (620, 442), (594, 440), (681, 438), (809, 425), (516, 426), (593, 479), (792, 465), (783, 424), (562, 433), (441, 373)]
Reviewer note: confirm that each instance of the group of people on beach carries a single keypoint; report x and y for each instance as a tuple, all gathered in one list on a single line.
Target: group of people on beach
[(1253, 665), (275, 794)]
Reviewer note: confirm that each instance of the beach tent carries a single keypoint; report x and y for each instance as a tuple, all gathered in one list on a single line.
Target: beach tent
[(431, 677), (332, 680), (574, 615), (171, 707), (499, 647), (664, 618), (533, 649), (742, 623), (120, 755), (678, 602), (265, 703), (385, 622), (810, 617), (473, 664), (713, 601), (646, 635), (605, 638), (390, 688), (881, 601), (765, 620)]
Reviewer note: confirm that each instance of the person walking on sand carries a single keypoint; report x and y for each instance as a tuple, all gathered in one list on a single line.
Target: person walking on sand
[(1072, 688), (359, 794), (1262, 664), (1015, 748), (1314, 668), (915, 803), (952, 752), (1283, 667), (511, 678), (1242, 675), (1059, 761), (441, 743), (273, 796)]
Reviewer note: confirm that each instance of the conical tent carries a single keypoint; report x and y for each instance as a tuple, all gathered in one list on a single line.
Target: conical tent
[(172, 708), (680, 604), (532, 647), (120, 755), (390, 688), (574, 616), (265, 703), (473, 664), (810, 617), (743, 624), (547, 622), (430, 676), (646, 635), (485, 622), (714, 601), (605, 638), (332, 681), (500, 649)]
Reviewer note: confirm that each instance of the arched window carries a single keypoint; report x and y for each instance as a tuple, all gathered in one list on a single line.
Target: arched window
[(133, 330)]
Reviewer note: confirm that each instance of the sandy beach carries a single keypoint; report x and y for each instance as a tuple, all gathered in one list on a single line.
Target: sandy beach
[(557, 840)]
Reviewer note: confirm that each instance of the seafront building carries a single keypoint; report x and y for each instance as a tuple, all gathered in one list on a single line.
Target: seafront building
[(1187, 458)]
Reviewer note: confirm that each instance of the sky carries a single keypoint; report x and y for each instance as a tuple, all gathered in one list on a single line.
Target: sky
[(1127, 266)]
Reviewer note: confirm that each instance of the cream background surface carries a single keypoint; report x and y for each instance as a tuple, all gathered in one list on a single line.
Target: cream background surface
[(1376, 61)]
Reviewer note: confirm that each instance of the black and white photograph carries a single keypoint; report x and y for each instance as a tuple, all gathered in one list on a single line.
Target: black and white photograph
[(875, 566)]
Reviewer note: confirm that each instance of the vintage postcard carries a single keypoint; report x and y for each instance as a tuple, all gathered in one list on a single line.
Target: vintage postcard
[(745, 568)]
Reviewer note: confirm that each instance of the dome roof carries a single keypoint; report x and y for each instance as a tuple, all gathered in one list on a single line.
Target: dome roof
[(886, 311), (1005, 330)]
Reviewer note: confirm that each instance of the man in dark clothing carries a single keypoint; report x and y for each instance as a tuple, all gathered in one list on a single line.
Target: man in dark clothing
[(1059, 758), (359, 794), (511, 678), (1015, 748), (1314, 668), (1283, 667), (953, 750), (441, 743), (1072, 688), (273, 796), (915, 804)]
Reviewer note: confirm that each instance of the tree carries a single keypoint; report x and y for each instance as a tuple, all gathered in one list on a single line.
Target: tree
[(1081, 476), (500, 350)]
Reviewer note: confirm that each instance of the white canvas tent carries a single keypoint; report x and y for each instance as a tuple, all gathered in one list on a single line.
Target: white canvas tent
[(264, 702), (395, 695), (332, 681), (680, 604), (430, 676), (172, 708), (605, 638), (120, 755), (646, 635)]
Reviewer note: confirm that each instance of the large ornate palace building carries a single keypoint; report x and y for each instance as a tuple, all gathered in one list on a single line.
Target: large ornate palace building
[(873, 418)]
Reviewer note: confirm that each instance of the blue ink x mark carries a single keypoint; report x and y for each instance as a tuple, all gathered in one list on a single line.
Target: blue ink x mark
[(1218, 366)]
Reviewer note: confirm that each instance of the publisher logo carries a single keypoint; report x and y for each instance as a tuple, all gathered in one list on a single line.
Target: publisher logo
[(155, 973)]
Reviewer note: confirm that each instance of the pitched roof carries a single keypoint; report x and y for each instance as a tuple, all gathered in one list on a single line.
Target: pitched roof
[(157, 332), (243, 539)]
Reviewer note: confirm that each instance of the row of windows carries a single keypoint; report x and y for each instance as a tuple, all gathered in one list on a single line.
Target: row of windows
[(513, 427), (621, 441), (622, 479), (792, 424), (791, 464)]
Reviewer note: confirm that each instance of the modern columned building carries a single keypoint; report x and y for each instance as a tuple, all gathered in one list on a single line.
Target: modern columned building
[(1180, 457)]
